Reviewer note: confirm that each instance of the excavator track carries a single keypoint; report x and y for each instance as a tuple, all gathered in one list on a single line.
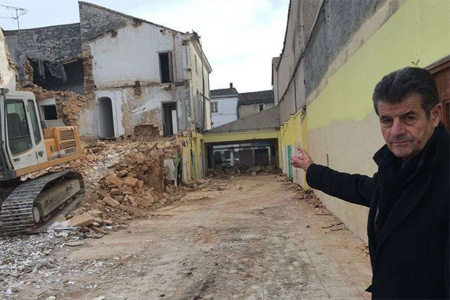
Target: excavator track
[(17, 210)]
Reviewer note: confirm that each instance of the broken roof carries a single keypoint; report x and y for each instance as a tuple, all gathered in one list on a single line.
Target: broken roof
[(256, 97), (54, 43), (224, 92)]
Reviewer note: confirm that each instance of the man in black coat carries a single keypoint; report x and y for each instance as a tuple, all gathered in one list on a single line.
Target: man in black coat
[(408, 223)]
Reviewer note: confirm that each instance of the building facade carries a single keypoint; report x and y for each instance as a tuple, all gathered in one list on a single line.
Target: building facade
[(254, 102), (142, 79), (334, 54), (224, 106)]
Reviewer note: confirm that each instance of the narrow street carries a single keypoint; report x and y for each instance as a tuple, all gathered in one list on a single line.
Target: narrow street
[(249, 237)]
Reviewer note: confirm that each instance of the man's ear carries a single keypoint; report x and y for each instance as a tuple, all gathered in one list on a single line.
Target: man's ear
[(436, 114)]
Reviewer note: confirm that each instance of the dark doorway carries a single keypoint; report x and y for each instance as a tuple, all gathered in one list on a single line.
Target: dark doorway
[(170, 118), (106, 121), (261, 157)]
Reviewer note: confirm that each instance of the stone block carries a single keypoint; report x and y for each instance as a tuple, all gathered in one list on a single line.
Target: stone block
[(116, 181), (115, 192), (122, 173), (95, 213), (110, 201), (81, 220), (130, 181)]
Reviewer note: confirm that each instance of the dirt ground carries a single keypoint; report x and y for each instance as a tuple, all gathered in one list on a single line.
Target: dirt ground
[(248, 237)]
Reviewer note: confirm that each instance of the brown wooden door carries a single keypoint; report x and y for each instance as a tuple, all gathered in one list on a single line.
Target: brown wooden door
[(441, 73)]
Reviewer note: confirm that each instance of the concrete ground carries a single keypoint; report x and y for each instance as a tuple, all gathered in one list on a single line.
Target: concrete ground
[(246, 238)]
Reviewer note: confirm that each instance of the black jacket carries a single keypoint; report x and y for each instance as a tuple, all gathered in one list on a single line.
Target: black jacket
[(410, 255)]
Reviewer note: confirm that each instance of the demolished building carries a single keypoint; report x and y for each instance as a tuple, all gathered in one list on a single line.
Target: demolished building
[(116, 76), (142, 77)]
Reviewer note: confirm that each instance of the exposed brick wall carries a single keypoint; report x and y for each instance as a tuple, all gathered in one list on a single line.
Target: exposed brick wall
[(54, 43), (96, 20)]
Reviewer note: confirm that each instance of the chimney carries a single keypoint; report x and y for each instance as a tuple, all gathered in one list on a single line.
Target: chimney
[(231, 85)]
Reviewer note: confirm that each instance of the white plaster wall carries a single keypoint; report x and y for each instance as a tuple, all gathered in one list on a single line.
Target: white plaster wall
[(226, 111), (128, 110), (197, 82), (133, 55), (7, 76)]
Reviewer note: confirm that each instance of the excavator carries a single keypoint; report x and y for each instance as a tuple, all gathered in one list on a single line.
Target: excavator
[(30, 144)]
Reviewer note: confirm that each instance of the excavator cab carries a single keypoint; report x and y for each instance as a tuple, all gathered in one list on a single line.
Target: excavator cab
[(30, 144)]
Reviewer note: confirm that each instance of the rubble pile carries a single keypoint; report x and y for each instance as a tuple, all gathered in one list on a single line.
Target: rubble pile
[(123, 180)]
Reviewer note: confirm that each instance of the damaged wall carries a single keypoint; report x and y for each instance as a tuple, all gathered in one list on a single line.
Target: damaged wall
[(53, 43), (128, 111), (133, 52), (138, 95), (7, 66)]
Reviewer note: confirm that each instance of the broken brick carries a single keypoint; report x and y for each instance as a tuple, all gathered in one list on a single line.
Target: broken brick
[(81, 220), (115, 192), (131, 181), (95, 213), (110, 201), (122, 173), (115, 181)]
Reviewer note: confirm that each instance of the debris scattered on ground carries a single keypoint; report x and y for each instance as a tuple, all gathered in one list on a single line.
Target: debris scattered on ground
[(227, 171), (123, 181)]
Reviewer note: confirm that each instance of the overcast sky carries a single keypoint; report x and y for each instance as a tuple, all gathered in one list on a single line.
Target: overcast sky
[(239, 37)]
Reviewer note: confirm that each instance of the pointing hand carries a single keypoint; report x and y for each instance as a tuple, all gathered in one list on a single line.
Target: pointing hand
[(302, 160)]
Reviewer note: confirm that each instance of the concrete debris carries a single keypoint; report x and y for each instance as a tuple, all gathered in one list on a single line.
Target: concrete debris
[(123, 181), (230, 172), (23, 255), (81, 220)]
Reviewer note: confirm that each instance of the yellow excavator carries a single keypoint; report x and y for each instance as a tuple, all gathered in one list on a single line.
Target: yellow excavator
[(29, 144)]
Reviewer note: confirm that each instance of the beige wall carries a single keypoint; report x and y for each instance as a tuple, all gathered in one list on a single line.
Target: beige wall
[(251, 109), (361, 139)]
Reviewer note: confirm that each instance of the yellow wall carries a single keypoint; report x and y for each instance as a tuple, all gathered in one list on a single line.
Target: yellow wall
[(340, 127), (192, 167), (418, 32)]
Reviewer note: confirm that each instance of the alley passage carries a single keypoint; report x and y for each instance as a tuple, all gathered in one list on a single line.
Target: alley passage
[(242, 238)]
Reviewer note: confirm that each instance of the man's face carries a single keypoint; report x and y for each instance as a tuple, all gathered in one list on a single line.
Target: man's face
[(405, 126)]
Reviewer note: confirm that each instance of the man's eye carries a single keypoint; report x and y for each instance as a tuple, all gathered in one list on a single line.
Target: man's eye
[(386, 122), (410, 120)]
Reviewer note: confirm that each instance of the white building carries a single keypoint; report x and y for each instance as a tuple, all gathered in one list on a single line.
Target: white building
[(224, 106), (147, 79)]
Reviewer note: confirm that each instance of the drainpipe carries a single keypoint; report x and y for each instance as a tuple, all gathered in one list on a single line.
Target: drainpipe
[(203, 86)]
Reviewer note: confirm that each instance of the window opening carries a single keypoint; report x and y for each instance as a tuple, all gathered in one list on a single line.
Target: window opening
[(261, 107), (50, 112), (34, 122), (214, 107), (19, 138), (165, 66)]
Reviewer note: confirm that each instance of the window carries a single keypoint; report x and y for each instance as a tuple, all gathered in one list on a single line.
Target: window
[(19, 138), (165, 67), (196, 64), (50, 112), (261, 107), (34, 121), (214, 107)]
